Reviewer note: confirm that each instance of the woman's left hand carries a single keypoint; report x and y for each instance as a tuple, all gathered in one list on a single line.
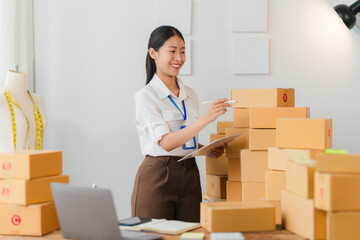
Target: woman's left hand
[(216, 152)]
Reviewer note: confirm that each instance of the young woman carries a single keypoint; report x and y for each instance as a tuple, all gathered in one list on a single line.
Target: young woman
[(168, 123)]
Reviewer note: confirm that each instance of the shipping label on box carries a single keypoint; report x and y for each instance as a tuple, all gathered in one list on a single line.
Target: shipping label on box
[(221, 125), (233, 191), (241, 118), (343, 225), (300, 178), (274, 184), (253, 192), (338, 163), (304, 133), (216, 186), (253, 165), (234, 169), (233, 148), (262, 139)]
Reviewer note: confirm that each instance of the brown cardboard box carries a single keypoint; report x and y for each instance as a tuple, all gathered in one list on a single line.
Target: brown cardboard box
[(253, 192), (274, 184), (277, 205), (299, 216), (216, 186), (337, 192), (235, 217), (277, 157), (253, 165), (266, 117), (338, 163), (300, 178), (216, 166), (233, 148), (276, 97), (221, 125), (262, 139), (304, 133), (24, 192), (233, 191), (32, 220), (30, 164), (343, 225), (234, 170), (241, 118)]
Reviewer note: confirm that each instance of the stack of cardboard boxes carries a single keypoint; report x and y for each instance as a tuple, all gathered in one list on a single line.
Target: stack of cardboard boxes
[(26, 203)]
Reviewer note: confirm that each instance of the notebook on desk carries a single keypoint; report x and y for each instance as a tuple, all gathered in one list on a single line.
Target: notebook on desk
[(89, 213)]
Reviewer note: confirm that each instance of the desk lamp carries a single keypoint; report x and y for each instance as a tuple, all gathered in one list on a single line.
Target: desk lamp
[(348, 13)]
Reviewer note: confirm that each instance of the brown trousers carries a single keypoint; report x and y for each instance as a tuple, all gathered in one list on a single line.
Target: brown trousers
[(165, 188)]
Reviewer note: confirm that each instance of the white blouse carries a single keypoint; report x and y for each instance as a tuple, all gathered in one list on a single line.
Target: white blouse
[(156, 116)]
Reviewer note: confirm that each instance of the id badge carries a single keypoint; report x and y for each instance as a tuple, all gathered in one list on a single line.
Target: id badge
[(190, 144)]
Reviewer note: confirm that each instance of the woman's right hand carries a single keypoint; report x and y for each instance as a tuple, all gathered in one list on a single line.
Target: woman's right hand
[(216, 109)]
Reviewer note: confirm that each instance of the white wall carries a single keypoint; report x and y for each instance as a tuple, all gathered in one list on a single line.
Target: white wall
[(90, 59)]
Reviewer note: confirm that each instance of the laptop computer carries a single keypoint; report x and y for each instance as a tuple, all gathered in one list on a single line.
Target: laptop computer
[(89, 213)]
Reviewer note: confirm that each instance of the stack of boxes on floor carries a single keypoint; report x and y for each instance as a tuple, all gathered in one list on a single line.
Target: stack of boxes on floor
[(26, 203)]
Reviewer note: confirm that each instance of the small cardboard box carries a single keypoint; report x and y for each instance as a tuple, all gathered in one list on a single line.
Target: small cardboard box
[(234, 170), (343, 225), (233, 191), (277, 157), (241, 118), (304, 133), (278, 216), (337, 192), (275, 182), (276, 97), (216, 186), (338, 163), (221, 125), (253, 165), (253, 192), (299, 216), (237, 217), (24, 192), (300, 178), (266, 117), (233, 148), (216, 166), (30, 164), (262, 139), (32, 220)]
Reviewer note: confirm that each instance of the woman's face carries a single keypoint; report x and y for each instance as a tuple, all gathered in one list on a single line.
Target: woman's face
[(170, 57)]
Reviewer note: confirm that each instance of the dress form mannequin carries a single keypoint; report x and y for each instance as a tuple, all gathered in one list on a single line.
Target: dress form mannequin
[(16, 83)]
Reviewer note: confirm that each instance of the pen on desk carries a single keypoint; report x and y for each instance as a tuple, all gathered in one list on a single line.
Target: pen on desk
[(230, 101)]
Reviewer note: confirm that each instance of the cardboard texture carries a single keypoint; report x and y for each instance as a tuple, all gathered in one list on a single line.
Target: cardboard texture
[(304, 133), (234, 169), (299, 216), (276, 97), (277, 157), (266, 117), (262, 139), (221, 125), (32, 220), (30, 164), (216, 166), (241, 118), (233, 148), (275, 182), (278, 216), (337, 192), (24, 192), (237, 217), (338, 163), (343, 225), (233, 191), (216, 186), (253, 165), (300, 178), (253, 192)]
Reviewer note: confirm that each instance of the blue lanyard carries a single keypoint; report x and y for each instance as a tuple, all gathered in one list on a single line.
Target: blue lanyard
[(183, 103)]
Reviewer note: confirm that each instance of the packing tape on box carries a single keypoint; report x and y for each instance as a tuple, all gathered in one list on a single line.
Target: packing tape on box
[(212, 183)]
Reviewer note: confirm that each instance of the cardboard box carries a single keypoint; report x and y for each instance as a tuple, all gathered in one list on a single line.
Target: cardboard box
[(253, 192), (221, 125), (343, 225), (216, 186), (304, 133), (234, 170), (253, 165), (233, 148), (30, 164), (337, 192), (277, 157), (241, 118), (266, 117), (299, 216), (338, 163), (237, 217), (278, 216), (300, 178), (32, 220), (275, 182), (276, 97), (216, 166), (262, 139), (24, 192), (233, 191)]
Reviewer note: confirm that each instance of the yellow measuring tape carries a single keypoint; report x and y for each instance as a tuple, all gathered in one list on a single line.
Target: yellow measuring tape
[(38, 120)]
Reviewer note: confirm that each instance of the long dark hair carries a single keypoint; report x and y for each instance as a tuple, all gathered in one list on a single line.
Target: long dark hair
[(157, 38)]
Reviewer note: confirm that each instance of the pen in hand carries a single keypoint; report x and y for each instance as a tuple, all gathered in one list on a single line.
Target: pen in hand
[(230, 101)]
